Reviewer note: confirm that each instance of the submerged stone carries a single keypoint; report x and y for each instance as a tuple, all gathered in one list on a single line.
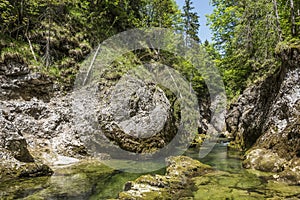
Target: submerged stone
[(75, 181), (175, 184)]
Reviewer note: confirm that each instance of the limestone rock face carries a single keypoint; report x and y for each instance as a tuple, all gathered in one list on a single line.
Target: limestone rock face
[(17, 81), (16, 160), (13, 141), (43, 125), (246, 118), (266, 118), (281, 131), (264, 160), (37, 127), (33, 127)]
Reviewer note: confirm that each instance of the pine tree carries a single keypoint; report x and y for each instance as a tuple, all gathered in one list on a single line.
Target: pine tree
[(190, 22)]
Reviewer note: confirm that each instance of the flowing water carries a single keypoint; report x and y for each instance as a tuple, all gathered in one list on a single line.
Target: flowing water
[(232, 181), (88, 180), (93, 181)]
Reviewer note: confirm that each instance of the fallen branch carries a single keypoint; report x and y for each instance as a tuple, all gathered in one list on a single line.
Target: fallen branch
[(31, 48)]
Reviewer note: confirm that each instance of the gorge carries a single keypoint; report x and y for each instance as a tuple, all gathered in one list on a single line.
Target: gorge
[(128, 131)]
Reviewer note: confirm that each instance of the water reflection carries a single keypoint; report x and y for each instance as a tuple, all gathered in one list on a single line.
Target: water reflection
[(220, 158)]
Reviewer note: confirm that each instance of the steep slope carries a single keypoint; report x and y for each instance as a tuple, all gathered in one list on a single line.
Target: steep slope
[(266, 120)]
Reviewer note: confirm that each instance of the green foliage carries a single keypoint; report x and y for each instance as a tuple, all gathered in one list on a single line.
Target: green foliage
[(246, 34), (190, 22), (156, 13), (58, 35), (55, 36)]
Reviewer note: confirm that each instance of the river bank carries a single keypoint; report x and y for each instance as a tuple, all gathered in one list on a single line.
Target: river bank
[(220, 176)]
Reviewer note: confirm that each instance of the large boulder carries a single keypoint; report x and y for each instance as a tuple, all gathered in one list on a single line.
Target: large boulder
[(139, 117), (264, 160)]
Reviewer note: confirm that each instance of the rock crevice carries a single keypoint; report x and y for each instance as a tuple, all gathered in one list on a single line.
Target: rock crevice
[(265, 120)]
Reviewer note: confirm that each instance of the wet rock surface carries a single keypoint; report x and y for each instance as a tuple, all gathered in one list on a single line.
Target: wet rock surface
[(264, 160), (69, 182), (175, 184), (224, 185), (11, 168), (184, 178)]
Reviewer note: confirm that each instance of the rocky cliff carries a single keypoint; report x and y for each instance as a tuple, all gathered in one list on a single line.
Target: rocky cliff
[(34, 125), (18, 82), (38, 127), (265, 120)]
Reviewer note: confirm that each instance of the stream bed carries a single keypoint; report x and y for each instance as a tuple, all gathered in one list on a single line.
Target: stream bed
[(92, 180), (232, 181)]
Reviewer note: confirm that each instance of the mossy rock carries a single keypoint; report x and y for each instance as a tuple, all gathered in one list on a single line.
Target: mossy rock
[(224, 193), (153, 180), (283, 190), (13, 169), (34, 170), (175, 184), (75, 181), (149, 192), (223, 185), (264, 160), (186, 166)]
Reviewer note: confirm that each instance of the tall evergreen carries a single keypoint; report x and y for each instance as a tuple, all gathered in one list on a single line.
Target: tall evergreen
[(190, 22)]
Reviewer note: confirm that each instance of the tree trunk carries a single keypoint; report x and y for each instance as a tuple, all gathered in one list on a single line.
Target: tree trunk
[(277, 20), (294, 28)]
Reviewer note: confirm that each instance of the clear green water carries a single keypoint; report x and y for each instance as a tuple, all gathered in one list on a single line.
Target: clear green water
[(88, 180), (220, 158), (232, 181), (93, 180)]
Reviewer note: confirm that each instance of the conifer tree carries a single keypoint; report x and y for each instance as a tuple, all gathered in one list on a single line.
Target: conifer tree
[(190, 22)]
